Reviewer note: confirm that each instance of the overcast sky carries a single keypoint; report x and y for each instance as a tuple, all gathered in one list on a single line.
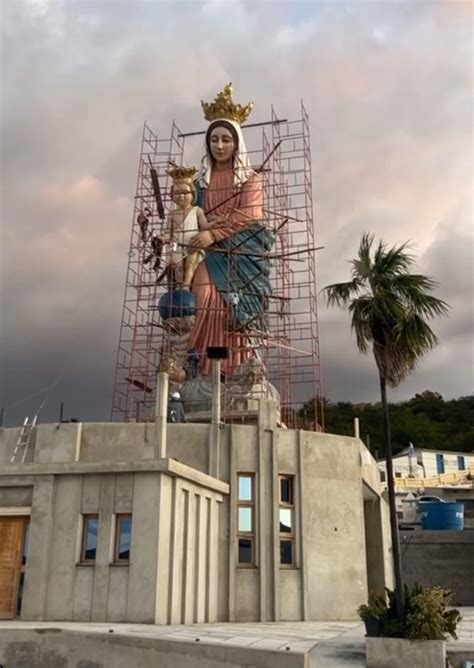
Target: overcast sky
[(388, 88)]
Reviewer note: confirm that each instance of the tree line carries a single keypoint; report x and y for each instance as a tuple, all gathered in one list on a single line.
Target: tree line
[(426, 420)]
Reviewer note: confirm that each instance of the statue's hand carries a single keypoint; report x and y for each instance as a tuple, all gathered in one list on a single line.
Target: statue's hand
[(202, 240), (215, 219)]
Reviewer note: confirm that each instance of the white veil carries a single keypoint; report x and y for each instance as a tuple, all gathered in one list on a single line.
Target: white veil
[(242, 166)]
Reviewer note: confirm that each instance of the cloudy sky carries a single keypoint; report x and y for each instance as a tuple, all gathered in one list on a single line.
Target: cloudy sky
[(388, 88)]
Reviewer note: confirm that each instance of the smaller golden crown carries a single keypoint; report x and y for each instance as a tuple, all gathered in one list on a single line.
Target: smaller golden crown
[(186, 174), (224, 107)]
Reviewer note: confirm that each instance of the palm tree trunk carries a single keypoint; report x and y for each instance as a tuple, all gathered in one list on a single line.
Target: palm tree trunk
[(397, 562)]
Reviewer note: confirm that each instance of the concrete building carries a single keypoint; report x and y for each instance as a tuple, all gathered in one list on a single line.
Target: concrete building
[(183, 523)]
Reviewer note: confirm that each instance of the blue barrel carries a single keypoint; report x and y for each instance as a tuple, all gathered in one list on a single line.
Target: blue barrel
[(436, 516)]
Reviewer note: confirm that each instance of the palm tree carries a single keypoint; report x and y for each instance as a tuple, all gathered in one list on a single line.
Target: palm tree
[(389, 308)]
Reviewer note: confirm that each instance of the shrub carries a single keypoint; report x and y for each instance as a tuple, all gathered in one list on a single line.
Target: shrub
[(429, 616), (427, 613), (376, 607)]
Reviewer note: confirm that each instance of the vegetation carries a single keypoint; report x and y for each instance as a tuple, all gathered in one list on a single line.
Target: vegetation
[(389, 309), (426, 420), (428, 615)]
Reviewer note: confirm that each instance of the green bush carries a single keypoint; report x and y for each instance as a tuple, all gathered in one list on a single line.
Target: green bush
[(376, 607), (429, 616), (427, 613)]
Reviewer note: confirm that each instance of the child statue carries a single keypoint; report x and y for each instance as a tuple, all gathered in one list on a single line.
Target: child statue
[(185, 221)]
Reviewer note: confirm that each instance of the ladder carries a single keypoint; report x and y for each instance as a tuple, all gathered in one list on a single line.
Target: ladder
[(24, 439)]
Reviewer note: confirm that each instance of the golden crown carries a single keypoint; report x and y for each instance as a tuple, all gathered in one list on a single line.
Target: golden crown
[(224, 107), (186, 174)]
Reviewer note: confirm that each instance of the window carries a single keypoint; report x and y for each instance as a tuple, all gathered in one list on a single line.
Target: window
[(398, 474), (461, 463), (286, 519), (123, 538), (383, 476), (90, 529), (440, 464), (246, 519)]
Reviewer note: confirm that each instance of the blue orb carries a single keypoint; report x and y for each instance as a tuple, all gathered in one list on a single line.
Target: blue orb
[(177, 304)]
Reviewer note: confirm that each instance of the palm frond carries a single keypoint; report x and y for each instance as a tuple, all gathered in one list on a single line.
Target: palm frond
[(362, 314), (362, 265), (339, 294), (404, 347), (414, 289), (388, 308), (391, 261)]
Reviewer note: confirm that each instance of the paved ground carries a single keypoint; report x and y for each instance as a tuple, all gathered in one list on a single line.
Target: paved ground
[(330, 644)]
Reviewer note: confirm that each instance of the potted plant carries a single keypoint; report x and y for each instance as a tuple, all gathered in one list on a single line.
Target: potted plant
[(420, 640), (372, 614)]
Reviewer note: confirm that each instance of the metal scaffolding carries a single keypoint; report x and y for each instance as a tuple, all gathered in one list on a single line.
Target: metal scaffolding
[(288, 342)]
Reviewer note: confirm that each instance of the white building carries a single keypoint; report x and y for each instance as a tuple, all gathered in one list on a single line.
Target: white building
[(423, 463)]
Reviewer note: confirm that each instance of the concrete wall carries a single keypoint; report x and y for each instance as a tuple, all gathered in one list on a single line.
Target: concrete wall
[(177, 520), (55, 648), (175, 524), (333, 539), (450, 556), (329, 578)]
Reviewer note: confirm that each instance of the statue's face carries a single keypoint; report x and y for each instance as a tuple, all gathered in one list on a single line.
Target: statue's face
[(183, 194), (222, 144)]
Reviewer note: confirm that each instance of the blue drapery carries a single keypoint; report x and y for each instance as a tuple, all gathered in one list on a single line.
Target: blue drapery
[(242, 277)]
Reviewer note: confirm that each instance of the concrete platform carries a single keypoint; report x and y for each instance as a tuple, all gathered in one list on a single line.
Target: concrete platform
[(273, 645)]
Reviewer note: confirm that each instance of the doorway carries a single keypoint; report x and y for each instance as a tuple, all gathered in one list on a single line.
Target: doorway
[(13, 548)]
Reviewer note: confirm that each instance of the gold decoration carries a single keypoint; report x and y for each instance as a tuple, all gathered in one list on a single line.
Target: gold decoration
[(224, 107), (182, 173)]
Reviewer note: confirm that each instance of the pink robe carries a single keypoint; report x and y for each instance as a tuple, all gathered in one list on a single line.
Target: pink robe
[(212, 327)]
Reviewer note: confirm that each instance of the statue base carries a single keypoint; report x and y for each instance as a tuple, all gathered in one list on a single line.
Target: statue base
[(240, 394)]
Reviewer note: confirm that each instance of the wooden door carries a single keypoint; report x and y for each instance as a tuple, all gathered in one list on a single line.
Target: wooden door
[(11, 547)]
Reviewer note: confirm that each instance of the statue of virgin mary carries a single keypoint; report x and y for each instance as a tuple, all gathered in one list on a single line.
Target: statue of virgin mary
[(232, 285)]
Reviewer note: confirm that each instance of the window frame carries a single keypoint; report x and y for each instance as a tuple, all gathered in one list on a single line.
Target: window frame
[(247, 535), (86, 517), (119, 517), (289, 536)]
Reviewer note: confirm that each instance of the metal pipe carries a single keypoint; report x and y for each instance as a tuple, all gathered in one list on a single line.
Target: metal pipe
[(214, 440), (356, 427)]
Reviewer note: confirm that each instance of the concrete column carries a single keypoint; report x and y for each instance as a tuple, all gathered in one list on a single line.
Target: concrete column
[(77, 456), (356, 427), (161, 414), (37, 565), (268, 557), (232, 523), (103, 554), (201, 561), (214, 432), (212, 568), (300, 513)]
